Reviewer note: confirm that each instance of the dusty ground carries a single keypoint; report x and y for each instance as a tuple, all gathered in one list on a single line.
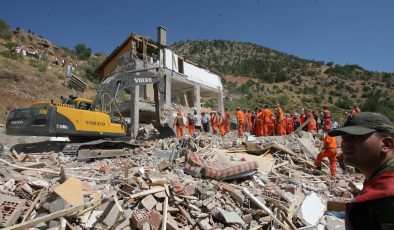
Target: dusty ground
[(24, 85)]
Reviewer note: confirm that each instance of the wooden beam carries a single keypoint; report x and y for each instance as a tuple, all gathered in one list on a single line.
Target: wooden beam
[(27, 213), (165, 208), (145, 193), (266, 209), (65, 212)]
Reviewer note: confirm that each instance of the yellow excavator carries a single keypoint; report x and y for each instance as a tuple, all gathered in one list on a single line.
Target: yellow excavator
[(95, 125), (71, 117)]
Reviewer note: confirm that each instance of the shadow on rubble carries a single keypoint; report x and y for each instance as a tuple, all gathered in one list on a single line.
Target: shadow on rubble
[(39, 147)]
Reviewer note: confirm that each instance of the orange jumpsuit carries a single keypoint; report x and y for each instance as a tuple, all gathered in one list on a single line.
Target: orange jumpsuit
[(267, 114), (214, 124), (178, 123), (227, 117), (289, 125), (240, 120), (312, 125), (221, 126), (271, 126), (280, 122), (248, 118), (259, 125), (330, 151)]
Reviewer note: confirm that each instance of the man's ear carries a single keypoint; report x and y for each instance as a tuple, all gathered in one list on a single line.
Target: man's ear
[(387, 144)]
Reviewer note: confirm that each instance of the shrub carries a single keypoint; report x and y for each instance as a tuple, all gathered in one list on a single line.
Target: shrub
[(89, 71), (10, 45), (283, 100), (366, 88), (39, 64), (344, 103), (5, 31), (83, 52), (12, 55), (330, 63), (68, 51)]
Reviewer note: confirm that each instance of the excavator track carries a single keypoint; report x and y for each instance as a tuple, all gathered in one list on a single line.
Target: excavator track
[(99, 149), (84, 151)]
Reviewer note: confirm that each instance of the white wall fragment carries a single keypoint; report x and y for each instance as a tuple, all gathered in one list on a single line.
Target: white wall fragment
[(312, 209)]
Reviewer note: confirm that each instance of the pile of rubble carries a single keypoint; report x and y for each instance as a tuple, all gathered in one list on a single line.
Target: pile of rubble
[(199, 182)]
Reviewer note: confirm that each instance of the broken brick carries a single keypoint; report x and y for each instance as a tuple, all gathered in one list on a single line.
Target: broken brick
[(155, 219), (139, 217)]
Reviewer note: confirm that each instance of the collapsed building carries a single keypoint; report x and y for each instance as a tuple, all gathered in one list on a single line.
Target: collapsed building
[(181, 81)]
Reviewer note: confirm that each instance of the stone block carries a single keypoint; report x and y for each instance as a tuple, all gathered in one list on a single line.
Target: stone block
[(149, 202)]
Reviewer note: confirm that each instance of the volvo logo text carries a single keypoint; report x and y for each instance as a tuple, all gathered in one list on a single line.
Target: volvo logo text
[(143, 80)]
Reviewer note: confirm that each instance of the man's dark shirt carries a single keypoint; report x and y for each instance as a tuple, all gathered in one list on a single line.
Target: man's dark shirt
[(373, 208)]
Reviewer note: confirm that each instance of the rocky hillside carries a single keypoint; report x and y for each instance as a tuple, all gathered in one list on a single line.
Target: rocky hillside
[(36, 73), (254, 75)]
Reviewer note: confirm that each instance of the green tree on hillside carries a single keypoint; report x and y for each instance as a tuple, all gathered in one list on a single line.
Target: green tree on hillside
[(5, 31), (377, 104), (83, 52)]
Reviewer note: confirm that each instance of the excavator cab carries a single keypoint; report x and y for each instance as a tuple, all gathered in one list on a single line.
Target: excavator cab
[(77, 102)]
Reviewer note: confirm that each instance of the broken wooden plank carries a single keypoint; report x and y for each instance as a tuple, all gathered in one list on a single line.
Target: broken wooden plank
[(145, 193), (159, 181), (165, 208), (234, 193), (265, 208), (186, 214), (62, 213), (27, 213), (281, 164)]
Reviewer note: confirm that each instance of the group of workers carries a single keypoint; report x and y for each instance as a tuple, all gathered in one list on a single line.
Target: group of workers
[(264, 122), (261, 122), (203, 122), (367, 144)]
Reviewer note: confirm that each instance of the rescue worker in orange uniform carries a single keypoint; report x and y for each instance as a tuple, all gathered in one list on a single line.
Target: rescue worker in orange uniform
[(326, 118), (221, 124), (280, 123), (214, 123), (259, 124), (289, 124), (248, 117), (312, 125), (329, 151), (227, 118), (240, 120), (266, 114), (178, 123), (272, 125)]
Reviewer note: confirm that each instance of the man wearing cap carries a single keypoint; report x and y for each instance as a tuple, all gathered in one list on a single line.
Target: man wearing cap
[(367, 144)]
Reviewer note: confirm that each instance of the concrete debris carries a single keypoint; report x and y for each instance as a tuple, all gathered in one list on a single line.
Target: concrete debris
[(312, 209), (270, 183)]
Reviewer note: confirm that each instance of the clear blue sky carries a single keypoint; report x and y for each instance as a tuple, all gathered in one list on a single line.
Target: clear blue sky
[(343, 31)]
